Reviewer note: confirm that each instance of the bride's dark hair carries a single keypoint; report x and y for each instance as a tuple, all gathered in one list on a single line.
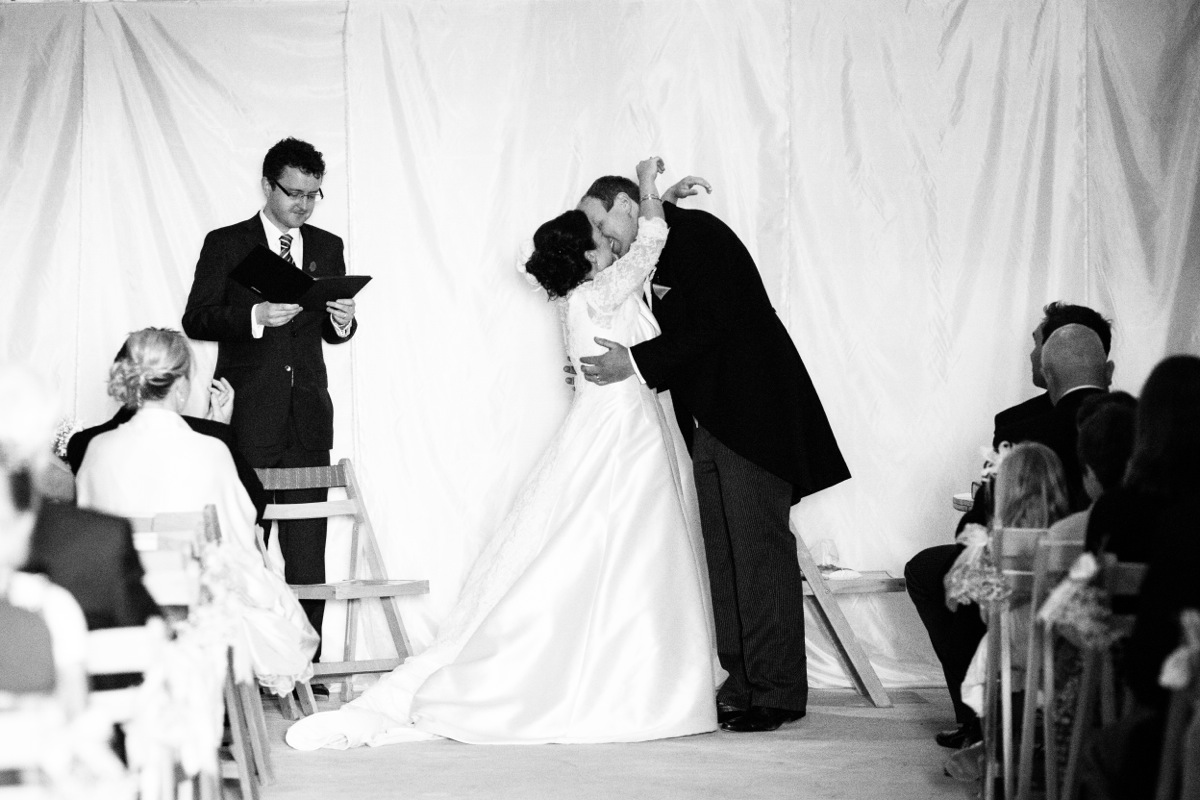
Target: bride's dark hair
[(558, 261)]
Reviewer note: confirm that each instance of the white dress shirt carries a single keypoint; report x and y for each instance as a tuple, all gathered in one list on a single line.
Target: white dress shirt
[(297, 252)]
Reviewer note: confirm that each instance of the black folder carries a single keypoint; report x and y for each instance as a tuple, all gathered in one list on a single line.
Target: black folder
[(278, 281)]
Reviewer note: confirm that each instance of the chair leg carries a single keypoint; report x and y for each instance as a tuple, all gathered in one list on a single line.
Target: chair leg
[(1006, 716), (287, 707), (240, 747), (991, 705), (257, 724), (351, 644), (1081, 724), (1033, 661), (1049, 708), (304, 693)]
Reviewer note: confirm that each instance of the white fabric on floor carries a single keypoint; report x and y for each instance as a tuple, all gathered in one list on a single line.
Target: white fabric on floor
[(914, 179)]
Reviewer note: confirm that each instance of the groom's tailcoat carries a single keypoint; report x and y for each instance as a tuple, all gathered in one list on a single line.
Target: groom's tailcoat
[(283, 373), (728, 360), (763, 442)]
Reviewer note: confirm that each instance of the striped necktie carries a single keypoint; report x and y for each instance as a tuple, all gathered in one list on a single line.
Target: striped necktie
[(285, 248)]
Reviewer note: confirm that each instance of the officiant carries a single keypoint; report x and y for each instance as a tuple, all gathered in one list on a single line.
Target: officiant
[(272, 352)]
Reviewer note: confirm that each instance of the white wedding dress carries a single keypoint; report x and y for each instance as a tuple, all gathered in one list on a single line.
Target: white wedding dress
[(586, 617)]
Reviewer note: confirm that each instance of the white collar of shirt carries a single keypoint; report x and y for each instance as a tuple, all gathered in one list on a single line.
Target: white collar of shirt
[(273, 233), (1079, 387)]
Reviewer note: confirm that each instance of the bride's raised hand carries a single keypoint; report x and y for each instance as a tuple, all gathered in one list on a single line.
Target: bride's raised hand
[(686, 188), (650, 168)]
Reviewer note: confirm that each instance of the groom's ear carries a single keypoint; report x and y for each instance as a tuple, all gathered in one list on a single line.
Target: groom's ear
[(627, 203)]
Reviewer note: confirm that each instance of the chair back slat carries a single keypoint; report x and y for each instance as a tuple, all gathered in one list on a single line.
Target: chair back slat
[(1015, 548), (114, 651), (328, 508), (282, 480), (1123, 578)]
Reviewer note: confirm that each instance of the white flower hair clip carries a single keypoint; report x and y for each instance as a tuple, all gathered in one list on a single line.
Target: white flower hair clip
[(523, 254)]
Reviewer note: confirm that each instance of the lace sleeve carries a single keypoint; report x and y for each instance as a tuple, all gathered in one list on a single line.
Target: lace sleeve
[(628, 274)]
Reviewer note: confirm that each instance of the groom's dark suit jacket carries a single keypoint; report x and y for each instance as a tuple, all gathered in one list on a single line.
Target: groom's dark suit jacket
[(282, 372), (728, 360)]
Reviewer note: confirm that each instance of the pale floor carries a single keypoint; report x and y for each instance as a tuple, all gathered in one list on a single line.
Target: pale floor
[(842, 749)]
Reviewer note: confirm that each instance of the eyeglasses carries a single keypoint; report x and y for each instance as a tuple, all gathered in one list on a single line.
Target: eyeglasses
[(296, 194)]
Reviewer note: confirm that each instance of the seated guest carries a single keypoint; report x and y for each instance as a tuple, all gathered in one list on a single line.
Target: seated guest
[(956, 634), (91, 555), (155, 463), (1031, 492), (1055, 315), (1153, 519), (1031, 488), (1104, 443), (215, 424), (42, 631)]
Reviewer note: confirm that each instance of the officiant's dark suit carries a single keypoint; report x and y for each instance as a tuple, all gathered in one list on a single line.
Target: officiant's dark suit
[(283, 415), (760, 441)]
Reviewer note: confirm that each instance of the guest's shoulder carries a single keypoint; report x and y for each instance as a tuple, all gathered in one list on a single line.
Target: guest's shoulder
[(55, 515), (1034, 406), (211, 428)]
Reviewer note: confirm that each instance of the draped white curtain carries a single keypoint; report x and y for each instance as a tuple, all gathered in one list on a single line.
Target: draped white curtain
[(915, 180)]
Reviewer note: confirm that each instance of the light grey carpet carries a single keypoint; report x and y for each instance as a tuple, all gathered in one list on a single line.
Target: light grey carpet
[(842, 749)]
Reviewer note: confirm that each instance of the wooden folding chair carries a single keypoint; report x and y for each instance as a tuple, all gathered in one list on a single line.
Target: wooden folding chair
[(169, 545), (1014, 550), (1182, 730), (120, 651), (1052, 561), (372, 584), (1098, 689)]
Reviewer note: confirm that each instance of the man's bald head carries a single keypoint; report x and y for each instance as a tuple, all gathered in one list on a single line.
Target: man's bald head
[(1074, 356)]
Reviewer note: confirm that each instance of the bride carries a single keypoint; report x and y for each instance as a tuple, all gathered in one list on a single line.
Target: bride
[(586, 617)]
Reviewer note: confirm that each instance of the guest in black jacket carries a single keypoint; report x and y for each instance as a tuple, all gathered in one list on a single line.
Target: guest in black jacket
[(1079, 369), (1153, 519)]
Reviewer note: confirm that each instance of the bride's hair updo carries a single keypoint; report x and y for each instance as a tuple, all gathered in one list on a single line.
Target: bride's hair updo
[(148, 365), (558, 262)]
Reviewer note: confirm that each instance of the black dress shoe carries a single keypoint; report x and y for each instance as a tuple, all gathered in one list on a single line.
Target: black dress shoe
[(757, 719), (726, 712), (964, 735)]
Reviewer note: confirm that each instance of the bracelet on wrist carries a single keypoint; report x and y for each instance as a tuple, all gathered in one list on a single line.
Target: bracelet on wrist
[(651, 196)]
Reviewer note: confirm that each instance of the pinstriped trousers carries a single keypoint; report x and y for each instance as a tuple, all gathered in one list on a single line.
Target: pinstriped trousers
[(757, 588)]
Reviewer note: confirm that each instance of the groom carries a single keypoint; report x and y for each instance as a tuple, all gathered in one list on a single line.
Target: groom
[(758, 436)]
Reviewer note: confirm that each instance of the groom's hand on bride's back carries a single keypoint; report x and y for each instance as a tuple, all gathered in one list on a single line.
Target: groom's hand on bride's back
[(612, 366)]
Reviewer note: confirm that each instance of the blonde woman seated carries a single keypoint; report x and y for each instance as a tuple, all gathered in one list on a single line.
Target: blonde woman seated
[(155, 463), (1031, 492)]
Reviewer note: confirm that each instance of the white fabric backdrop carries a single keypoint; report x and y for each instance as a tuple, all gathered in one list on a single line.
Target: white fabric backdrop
[(914, 179)]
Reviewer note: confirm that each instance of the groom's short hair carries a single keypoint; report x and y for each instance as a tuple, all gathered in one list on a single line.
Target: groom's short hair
[(607, 188)]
